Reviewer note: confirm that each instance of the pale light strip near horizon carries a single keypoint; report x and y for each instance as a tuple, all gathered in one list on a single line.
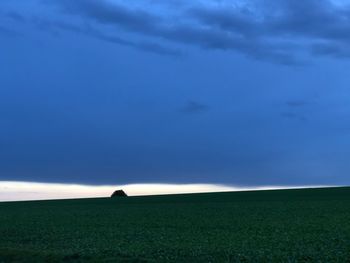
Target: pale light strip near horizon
[(21, 191)]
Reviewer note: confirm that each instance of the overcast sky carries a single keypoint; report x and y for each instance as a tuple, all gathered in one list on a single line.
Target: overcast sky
[(248, 93)]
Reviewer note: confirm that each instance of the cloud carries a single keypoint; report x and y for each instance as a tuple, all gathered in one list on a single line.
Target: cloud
[(92, 31), (332, 49), (286, 32), (296, 108), (106, 12), (195, 107), (142, 45), (282, 32), (15, 16), (151, 25), (7, 32), (296, 103), (57, 25), (293, 115)]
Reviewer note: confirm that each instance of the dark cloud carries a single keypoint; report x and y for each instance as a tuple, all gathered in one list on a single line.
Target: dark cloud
[(57, 25), (296, 103), (142, 45), (15, 16), (293, 116), (139, 21), (280, 32), (107, 13), (336, 50), (7, 32), (311, 19), (237, 22), (195, 107), (149, 46), (274, 31), (313, 23), (295, 110)]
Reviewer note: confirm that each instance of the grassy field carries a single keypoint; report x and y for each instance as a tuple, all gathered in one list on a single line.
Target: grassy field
[(309, 225)]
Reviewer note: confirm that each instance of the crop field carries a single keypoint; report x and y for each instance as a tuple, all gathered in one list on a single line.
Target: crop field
[(305, 225)]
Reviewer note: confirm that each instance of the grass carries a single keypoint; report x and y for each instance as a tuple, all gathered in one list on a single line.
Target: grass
[(308, 225)]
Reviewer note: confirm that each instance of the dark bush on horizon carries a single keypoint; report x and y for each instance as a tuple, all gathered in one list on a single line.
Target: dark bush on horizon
[(119, 193)]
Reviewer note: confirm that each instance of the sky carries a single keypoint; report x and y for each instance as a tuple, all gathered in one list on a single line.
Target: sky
[(232, 93)]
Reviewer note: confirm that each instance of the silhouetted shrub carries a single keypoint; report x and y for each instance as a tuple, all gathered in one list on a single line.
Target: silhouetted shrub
[(119, 193)]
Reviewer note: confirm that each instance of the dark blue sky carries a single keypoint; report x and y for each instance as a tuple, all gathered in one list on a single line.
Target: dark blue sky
[(244, 93)]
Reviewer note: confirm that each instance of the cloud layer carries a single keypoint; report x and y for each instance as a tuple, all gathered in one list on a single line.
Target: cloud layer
[(284, 32)]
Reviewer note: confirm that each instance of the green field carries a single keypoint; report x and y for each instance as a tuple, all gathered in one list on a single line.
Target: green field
[(309, 225)]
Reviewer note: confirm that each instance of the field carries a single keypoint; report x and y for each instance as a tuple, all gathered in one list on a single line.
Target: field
[(309, 225)]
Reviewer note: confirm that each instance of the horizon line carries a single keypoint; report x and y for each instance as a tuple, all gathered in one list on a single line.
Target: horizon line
[(31, 191)]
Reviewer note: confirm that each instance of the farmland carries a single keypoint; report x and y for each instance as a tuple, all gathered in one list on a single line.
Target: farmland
[(304, 225)]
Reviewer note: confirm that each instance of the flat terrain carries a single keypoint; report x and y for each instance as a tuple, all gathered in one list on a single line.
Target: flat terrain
[(309, 225)]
